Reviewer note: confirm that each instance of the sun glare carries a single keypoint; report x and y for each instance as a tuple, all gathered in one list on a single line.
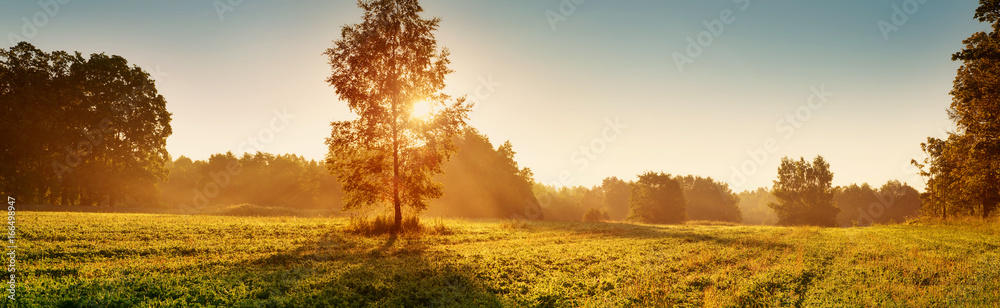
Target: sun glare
[(422, 110)]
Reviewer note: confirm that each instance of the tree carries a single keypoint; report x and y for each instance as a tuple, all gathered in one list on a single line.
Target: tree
[(89, 129), (595, 215), (864, 205), (755, 209), (657, 198), (710, 200), (963, 171), (616, 194), (382, 67), (805, 193), (483, 181)]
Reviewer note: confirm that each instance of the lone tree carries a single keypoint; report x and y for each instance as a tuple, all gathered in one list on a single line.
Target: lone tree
[(657, 198), (382, 68), (805, 193)]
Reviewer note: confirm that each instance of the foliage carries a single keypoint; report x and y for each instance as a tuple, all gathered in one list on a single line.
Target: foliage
[(382, 67), (481, 181), (963, 171), (864, 205), (616, 194), (710, 200), (804, 193), (657, 198), (567, 203), (381, 224), (88, 130), (595, 215), (142, 260), (755, 209), (280, 181)]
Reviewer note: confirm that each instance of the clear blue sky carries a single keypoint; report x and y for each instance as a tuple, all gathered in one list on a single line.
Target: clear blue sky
[(554, 90)]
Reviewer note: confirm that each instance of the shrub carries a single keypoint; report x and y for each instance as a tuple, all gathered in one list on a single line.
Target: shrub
[(381, 224), (595, 215)]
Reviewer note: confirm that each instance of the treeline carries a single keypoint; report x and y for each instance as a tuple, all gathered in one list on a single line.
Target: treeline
[(480, 182), (652, 197), (263, 179), (862, 205), (963, 170), (79, 130)]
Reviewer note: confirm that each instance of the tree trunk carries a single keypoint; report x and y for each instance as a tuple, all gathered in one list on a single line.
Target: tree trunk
[(398, 223)]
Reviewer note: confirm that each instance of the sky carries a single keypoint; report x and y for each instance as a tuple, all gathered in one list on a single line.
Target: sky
[(720, 88)]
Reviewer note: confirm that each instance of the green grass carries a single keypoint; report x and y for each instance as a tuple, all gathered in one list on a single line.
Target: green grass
[(129, 260)]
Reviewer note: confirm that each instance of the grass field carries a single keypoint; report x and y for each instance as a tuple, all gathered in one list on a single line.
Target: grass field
[(129, 260)]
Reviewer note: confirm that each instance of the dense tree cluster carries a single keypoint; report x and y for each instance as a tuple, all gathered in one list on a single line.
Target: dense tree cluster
[(710, 200), (805, 193), (963, 171), (286, 181), (79, 130), (705, 199), (568, 203), (863, 205), (657, 198)]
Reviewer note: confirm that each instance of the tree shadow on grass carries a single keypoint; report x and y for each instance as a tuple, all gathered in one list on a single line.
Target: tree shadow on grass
[(684, 233), (339, 270)]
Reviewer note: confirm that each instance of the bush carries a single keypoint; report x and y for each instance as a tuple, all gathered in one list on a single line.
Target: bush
[(595, 215), (381, 224)]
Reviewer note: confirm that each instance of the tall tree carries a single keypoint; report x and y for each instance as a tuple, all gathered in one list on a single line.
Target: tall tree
[(616, 193), (657, 198), (963, 171), (382, 67), (805, 193)]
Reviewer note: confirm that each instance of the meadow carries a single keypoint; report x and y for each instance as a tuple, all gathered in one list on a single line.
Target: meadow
[(158, 260)]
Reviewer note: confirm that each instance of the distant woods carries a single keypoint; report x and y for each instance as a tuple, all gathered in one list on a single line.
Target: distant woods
[(79, 130)]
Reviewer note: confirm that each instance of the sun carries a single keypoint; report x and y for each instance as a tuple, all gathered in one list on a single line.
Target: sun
[(422, 110)]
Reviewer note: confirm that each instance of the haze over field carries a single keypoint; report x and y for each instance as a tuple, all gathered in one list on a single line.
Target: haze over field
[(551, 90)]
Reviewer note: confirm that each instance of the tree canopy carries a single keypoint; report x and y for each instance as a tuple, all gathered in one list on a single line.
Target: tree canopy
[(804, 192), (657, 198), (963, 171), (382, 67), (82, 130)]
